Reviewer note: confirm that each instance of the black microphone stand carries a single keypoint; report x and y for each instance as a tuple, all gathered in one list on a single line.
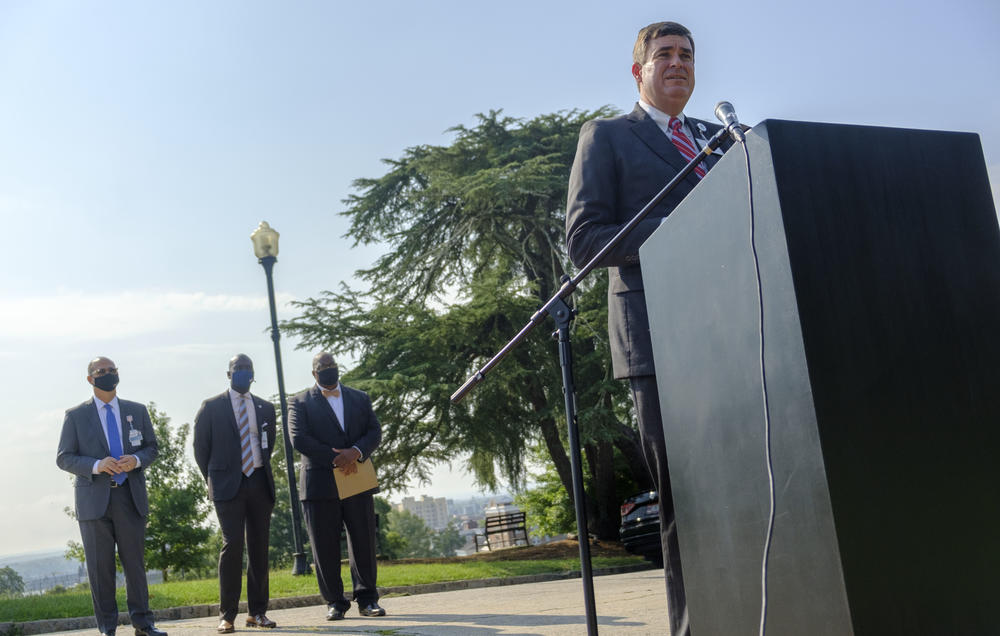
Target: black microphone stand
[(563, 316)]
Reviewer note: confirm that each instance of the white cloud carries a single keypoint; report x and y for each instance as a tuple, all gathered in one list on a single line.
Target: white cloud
[(73, 315)]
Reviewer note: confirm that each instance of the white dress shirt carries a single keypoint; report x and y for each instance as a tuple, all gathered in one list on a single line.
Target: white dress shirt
[(236, 398), (103, 414), (663, 121), (337, 404)]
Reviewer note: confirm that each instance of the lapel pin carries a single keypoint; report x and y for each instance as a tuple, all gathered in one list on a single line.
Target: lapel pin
[(701, 127)]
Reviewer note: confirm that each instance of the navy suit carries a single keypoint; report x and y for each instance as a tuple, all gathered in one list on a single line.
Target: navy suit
[(315, 432), (621, 164), (108, 516), (242, 504)]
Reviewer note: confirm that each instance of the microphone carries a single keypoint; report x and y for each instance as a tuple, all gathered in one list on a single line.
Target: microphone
[(725, 113)]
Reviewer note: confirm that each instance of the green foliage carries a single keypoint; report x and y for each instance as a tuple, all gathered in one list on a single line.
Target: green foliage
[(412, 359), (408, 535), (475, 235), (447, 541), (177, 529), (547, 507), (74, 602), (11, 583), (386, 549), (496, 195), (74, 549)]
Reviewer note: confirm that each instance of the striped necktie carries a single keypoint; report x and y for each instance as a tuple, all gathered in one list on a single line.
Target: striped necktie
[(247, 462), (685, 146)]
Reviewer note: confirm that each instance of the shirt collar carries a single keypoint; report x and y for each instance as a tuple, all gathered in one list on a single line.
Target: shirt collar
[(235, 395), (661, 118), (99, 403)]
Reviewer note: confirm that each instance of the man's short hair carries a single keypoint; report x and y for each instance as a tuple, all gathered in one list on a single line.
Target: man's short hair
[(656, 30), (92, 365), (319, 356)]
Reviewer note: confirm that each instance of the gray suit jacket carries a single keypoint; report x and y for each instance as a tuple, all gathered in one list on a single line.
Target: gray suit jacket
[(315, 432), (82, 443), (217, 448), (621, 163)]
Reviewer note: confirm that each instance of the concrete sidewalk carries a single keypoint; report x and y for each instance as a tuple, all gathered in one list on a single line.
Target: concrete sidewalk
[(633, 603)]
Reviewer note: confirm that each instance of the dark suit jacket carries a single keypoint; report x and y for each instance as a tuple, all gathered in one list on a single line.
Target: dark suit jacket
[(621, 163), (315, 433), (82, 443), (217, 449)]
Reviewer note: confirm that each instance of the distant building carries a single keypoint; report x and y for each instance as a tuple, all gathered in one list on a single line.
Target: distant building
[(472, 507), (433, 510)]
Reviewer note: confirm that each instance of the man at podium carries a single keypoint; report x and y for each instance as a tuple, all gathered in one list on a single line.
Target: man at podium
[(621, 163)]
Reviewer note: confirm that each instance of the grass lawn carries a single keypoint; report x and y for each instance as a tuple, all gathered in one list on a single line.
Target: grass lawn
[(283, 584)]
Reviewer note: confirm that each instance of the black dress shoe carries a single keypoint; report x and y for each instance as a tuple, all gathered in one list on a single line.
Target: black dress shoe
[(259, 620), (371, 609), (335, 614), (149, 630)]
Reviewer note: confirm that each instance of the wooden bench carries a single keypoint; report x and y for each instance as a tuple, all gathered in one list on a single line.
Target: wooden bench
[(502, 531)]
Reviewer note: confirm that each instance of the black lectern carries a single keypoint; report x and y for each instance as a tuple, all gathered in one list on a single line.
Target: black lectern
[(879, 257)]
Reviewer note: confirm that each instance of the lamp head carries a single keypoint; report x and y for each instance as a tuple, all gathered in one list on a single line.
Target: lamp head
[(265, 241)]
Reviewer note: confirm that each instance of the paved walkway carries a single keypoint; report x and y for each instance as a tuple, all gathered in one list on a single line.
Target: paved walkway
[(633, 603)]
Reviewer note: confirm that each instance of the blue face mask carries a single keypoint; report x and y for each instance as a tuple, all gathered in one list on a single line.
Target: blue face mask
[(240, 380)]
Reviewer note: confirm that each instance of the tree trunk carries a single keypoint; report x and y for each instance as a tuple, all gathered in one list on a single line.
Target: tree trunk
[(628, 444), (603, 507), (605, 493), (553, 442)]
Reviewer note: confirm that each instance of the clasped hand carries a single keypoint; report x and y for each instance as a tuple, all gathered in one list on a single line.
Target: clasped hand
[(347, 460), (113, 466)]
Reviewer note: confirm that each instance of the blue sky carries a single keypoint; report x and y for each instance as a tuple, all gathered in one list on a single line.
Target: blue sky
[(141, 143)]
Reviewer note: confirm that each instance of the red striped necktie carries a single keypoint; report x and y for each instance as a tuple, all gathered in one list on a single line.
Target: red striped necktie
[(685, 145)]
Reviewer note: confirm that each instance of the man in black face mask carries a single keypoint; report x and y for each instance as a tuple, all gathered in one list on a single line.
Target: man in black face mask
[(106, 442), (334, 427), (233, 436)]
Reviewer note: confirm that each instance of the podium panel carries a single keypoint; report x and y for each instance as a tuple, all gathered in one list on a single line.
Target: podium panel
[(879, 256)]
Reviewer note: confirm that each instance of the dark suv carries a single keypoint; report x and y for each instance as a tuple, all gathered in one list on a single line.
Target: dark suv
[(640, 530)]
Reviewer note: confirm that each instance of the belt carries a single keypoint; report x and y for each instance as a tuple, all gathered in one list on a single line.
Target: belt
[(115, 484)]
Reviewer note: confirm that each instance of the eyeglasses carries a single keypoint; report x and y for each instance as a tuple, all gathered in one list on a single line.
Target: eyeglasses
[(99, 372)]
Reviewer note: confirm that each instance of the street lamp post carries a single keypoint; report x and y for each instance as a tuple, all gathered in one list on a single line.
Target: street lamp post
[(265, 248)]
